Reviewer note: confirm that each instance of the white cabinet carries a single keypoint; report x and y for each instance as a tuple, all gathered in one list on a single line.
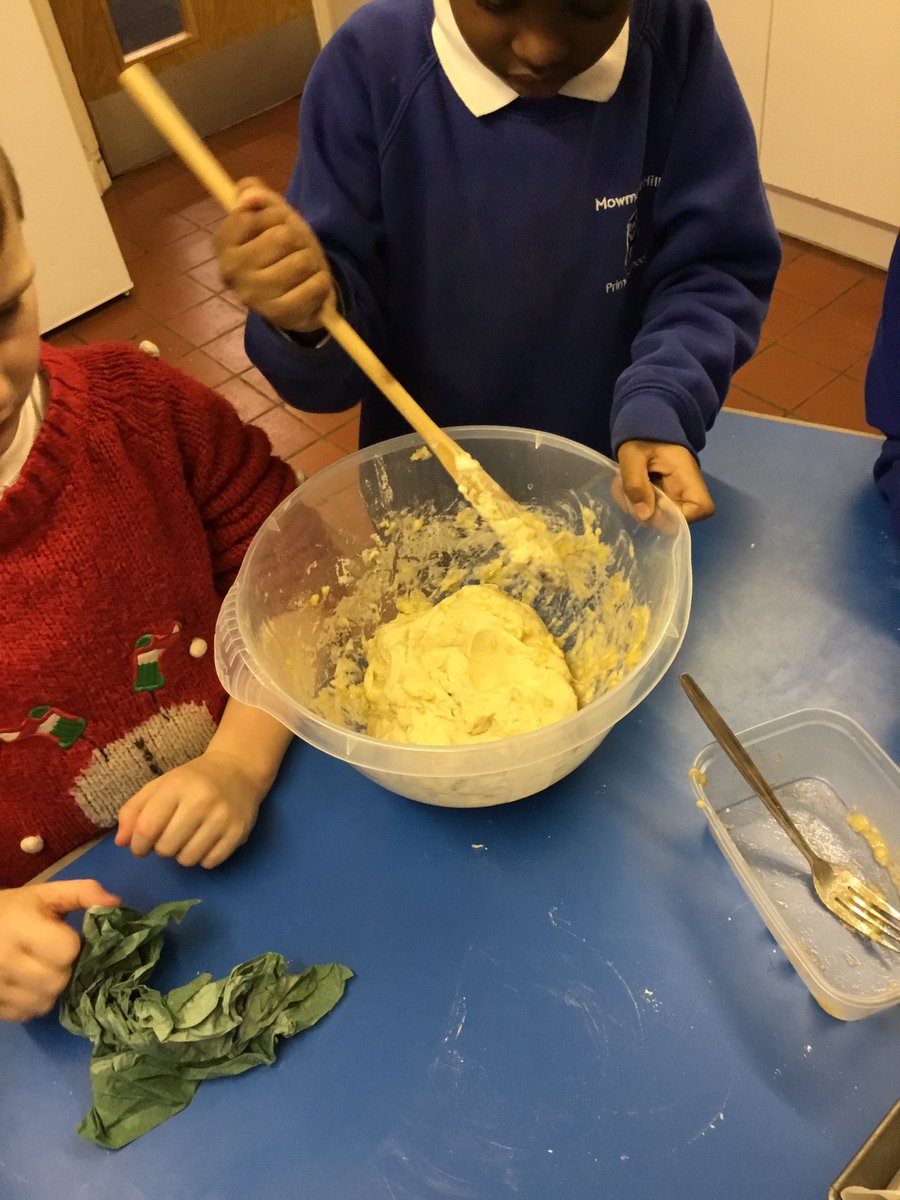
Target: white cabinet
[(744, 27), (832, 104), (822, 82)]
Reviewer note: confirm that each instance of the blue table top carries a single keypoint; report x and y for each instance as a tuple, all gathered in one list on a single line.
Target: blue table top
[(569, 996)]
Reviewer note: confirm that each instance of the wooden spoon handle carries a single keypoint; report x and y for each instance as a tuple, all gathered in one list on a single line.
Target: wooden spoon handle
[(159, 109), (184, 140), (444, 448)]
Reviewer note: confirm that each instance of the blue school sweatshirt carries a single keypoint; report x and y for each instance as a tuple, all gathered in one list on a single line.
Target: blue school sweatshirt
[(596, 270), (883, 391)]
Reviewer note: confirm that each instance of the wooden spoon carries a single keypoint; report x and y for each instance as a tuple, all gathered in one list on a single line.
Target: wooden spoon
[(515, 525)]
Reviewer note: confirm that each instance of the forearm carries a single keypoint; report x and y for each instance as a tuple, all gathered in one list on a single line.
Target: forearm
[(255, 739), (700, 323), (705, 288), (680, 372)]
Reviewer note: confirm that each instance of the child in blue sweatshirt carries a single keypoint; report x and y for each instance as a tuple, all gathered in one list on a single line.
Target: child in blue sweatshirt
[(883, 391), (543, 213)]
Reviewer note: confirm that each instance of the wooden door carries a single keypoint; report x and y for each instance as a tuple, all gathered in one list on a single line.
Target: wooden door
[(221, 59)]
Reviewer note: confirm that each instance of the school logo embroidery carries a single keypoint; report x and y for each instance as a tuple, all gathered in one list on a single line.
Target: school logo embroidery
[(148, 650), (630, 237), (633, 257), (47, 721)]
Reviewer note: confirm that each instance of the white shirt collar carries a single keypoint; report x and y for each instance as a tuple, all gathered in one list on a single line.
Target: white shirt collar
[(484, 92), (31, 416)]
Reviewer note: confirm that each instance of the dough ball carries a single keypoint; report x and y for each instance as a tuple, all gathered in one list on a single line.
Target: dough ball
[(476, 667)]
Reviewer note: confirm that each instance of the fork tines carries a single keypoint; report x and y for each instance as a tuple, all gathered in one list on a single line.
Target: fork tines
[(870, 913)]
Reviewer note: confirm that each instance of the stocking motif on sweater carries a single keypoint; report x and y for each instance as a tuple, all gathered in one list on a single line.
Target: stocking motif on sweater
[(169, 738)]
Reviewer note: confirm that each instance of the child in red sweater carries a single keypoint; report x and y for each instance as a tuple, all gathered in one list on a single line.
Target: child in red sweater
[(128, 496)]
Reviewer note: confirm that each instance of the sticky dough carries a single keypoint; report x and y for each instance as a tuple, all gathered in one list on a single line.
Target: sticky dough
[(418, 558), (479, 665)]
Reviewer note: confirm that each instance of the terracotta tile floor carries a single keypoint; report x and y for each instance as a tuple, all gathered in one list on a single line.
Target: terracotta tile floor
[(810, 365)]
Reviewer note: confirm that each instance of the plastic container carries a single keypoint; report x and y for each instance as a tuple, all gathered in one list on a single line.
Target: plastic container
[(274, 648), (823, 767)]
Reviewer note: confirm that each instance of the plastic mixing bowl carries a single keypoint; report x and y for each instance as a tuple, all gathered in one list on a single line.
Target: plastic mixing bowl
[(318, 575)]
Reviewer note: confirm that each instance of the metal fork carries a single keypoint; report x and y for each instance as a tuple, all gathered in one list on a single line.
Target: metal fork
[(857, 904)]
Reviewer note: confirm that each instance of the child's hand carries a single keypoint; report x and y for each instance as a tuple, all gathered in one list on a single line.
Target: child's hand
[(37, 948), (272, 260), (675, 472), (199, 812)]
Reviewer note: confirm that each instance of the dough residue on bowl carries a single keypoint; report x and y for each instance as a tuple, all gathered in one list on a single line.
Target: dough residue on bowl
[(861, 824)]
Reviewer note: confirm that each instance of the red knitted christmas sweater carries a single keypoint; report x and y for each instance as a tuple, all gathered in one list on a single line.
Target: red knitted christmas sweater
[(117, 543)]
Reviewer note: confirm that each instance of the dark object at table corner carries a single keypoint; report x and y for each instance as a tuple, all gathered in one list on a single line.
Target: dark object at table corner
[(876, 1162)]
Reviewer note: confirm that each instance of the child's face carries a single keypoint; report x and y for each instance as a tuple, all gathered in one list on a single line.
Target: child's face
[(537, 46), (20, 342)]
